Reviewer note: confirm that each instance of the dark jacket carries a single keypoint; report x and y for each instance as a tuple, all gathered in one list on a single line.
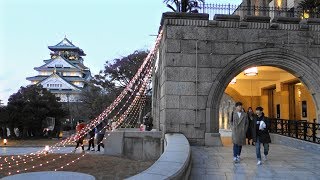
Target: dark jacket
[(249, 131), (263, 135), (92, 133)]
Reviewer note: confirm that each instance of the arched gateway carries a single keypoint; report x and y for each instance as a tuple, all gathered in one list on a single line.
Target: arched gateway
[(199, 57)]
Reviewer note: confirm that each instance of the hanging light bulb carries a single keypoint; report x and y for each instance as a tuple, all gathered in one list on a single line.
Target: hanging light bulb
[(233, 81), (251, 71)]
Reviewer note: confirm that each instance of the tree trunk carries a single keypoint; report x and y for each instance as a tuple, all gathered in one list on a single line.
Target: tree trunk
[(184, 4)]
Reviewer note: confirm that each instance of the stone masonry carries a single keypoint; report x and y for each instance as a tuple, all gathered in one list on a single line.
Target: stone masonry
[(198, 58)]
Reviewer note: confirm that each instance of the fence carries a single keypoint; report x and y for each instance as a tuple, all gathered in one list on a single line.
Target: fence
[(298, 129), (272, 12)]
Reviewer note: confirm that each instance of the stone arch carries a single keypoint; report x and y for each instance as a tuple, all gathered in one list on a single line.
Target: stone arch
[(300, 66)]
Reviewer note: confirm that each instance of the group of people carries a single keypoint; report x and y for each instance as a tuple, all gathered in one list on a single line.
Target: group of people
[(254, 126), (99, 130)]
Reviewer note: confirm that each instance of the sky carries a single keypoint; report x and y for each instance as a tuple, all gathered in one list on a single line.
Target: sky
[(104, 29)]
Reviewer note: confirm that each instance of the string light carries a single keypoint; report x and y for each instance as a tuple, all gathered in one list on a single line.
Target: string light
[(109, 109)]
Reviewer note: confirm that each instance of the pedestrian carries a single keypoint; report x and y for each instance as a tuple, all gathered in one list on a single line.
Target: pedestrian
[(100, 135), (79, 137), (249, 131), (91, 140), (239, 125), (260, 134)]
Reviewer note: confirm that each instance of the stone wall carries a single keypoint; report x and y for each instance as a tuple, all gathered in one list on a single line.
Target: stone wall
[(295, 143), (134, 144), (198, 58)]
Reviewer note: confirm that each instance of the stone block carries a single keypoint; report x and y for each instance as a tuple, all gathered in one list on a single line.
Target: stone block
[(193, 46), (173, 45), (229, 48), (172, 128), (133, 148), (207, 60), (179, 88), (286, 20), (271, 36), (217, 34), (151, 148), (169, 101), (225, 17), (247, 47), (204, 88), (243, 35), (187, 32), (261, 19), (191, 132), (181, 73), (113, 145), (180, 60), (190, 102), (204, 74)]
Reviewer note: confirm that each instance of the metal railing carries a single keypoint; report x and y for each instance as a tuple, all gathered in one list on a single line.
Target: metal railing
[(230, 9), (299, 129)]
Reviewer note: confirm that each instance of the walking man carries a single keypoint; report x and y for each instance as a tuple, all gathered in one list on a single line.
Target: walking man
[(101, 131), (239, 125), (260, 133)]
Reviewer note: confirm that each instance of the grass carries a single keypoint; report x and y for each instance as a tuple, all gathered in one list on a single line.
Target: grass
[(100, 166)]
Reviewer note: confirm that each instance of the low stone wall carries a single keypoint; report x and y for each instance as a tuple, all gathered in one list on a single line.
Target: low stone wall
[(174, 163), (295, 143), (134, 144)]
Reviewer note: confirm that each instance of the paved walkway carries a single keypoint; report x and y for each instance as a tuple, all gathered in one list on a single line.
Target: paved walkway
[(27, 150), (283, 163)]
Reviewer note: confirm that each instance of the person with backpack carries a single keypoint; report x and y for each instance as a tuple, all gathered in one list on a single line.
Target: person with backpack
[(260, 133), (239, 125)]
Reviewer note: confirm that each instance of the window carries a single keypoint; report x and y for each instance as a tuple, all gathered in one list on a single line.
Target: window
[(59, 65)]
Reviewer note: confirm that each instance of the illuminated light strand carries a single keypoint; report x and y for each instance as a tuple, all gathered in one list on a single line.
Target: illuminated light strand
[(142, 88), (47, 162), (51, 150), (100, 117)]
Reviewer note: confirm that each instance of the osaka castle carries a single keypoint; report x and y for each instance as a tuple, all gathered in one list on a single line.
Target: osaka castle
[(64, 74)]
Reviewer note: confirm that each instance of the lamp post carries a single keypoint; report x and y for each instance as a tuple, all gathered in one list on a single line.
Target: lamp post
[(68, 95)]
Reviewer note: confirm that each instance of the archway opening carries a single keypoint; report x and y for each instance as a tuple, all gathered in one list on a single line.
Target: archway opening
[(280, 93)]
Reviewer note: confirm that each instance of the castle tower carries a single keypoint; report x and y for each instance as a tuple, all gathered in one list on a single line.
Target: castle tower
[(64, 74)]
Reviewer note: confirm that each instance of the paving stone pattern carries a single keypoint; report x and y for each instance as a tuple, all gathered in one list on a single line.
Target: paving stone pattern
[(283, 163)]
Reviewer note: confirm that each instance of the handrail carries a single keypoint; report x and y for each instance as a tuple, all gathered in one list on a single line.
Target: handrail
[(299, 129)]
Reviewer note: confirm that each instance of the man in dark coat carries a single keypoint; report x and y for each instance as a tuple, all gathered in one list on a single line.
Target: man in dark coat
[(260, 133)]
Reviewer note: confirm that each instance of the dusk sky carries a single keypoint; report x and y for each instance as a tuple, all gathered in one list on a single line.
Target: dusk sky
[(103, 29)]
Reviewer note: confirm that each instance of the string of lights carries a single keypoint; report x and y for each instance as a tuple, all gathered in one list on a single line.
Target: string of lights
[(109, 109)]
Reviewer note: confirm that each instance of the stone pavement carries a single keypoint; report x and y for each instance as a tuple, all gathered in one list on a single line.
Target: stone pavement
[(283, 163)]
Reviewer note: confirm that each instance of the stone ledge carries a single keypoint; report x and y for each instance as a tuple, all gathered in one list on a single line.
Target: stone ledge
[(190, 16), (261, 19), (313, 21), (295, 143), (286, 20), (50, 175), (174, 163), (224, 17)]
